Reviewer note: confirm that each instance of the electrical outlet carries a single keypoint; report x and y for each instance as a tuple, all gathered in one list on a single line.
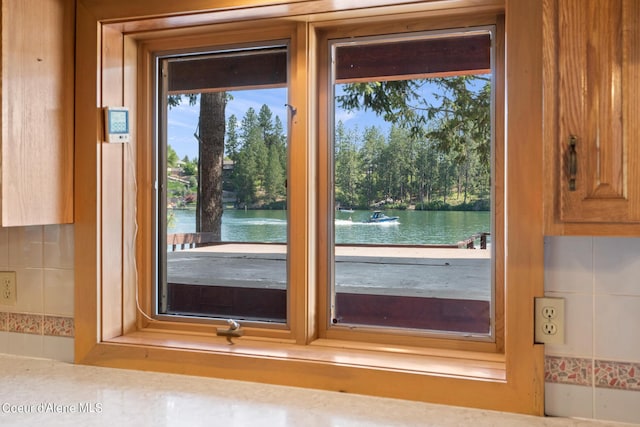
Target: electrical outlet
[(549, 320), (549, 312), (8, 291), (549, 328)]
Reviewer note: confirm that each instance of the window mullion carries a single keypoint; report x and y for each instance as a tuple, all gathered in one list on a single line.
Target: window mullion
[(301, 234)]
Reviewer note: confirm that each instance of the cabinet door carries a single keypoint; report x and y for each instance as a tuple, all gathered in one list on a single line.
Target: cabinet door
[(37, 111), (598, 65)]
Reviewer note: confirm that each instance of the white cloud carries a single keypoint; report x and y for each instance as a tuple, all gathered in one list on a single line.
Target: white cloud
[(345, 116)]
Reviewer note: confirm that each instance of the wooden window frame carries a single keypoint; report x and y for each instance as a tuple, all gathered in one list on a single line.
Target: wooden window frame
[(112, 257), (494, 342), (221, 39)]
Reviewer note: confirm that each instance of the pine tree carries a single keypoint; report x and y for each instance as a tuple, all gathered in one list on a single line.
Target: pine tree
[(347, 167), (274, 178)]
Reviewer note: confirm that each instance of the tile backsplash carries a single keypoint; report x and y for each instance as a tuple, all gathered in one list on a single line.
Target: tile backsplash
[(596, 373), (41, 322)]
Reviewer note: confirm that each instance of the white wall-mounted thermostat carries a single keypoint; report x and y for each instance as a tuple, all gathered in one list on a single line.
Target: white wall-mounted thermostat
[(116, 124)]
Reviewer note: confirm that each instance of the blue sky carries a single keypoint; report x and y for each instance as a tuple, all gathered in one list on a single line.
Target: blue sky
[(183, 119)]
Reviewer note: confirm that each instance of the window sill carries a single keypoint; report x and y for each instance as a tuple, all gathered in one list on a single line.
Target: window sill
[(237, 360)]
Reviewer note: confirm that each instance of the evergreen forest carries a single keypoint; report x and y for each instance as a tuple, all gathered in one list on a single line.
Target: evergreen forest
[(434, 155)]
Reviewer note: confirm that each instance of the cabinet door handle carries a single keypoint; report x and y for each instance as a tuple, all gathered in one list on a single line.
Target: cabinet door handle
[(573, 162)]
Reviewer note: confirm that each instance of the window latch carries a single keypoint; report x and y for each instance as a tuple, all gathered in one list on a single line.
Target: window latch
[(293, 110), (233, 331)]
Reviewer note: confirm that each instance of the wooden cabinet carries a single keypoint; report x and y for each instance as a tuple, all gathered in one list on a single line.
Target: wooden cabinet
[(592, 115), (37, 111)]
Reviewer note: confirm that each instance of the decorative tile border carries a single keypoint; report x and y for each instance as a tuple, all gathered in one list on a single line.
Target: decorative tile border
[(568, 370), (25, 323), (620, 375), (38, 324), (58, 326), (588, 372)]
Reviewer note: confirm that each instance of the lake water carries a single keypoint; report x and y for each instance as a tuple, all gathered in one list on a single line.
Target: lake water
[(412, 227)]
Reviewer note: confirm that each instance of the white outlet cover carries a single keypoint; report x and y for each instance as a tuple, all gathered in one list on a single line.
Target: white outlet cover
[(549, 310), (10, 278)]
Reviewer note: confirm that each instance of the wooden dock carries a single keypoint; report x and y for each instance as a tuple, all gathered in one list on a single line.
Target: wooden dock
[(440, 288)]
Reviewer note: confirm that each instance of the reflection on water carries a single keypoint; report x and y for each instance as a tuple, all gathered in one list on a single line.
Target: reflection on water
[(412, 227)]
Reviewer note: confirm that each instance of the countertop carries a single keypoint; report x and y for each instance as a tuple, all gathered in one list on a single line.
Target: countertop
[(38, 392)]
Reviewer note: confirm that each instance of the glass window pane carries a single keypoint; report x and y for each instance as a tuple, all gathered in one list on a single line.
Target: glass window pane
[(412, 195), (223, 200)]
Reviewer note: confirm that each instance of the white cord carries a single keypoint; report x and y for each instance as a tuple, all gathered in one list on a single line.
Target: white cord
[(135, 231)]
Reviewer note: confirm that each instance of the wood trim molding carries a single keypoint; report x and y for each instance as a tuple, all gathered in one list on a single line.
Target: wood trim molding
[(524, 266), (164, 14), (88, 254)]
